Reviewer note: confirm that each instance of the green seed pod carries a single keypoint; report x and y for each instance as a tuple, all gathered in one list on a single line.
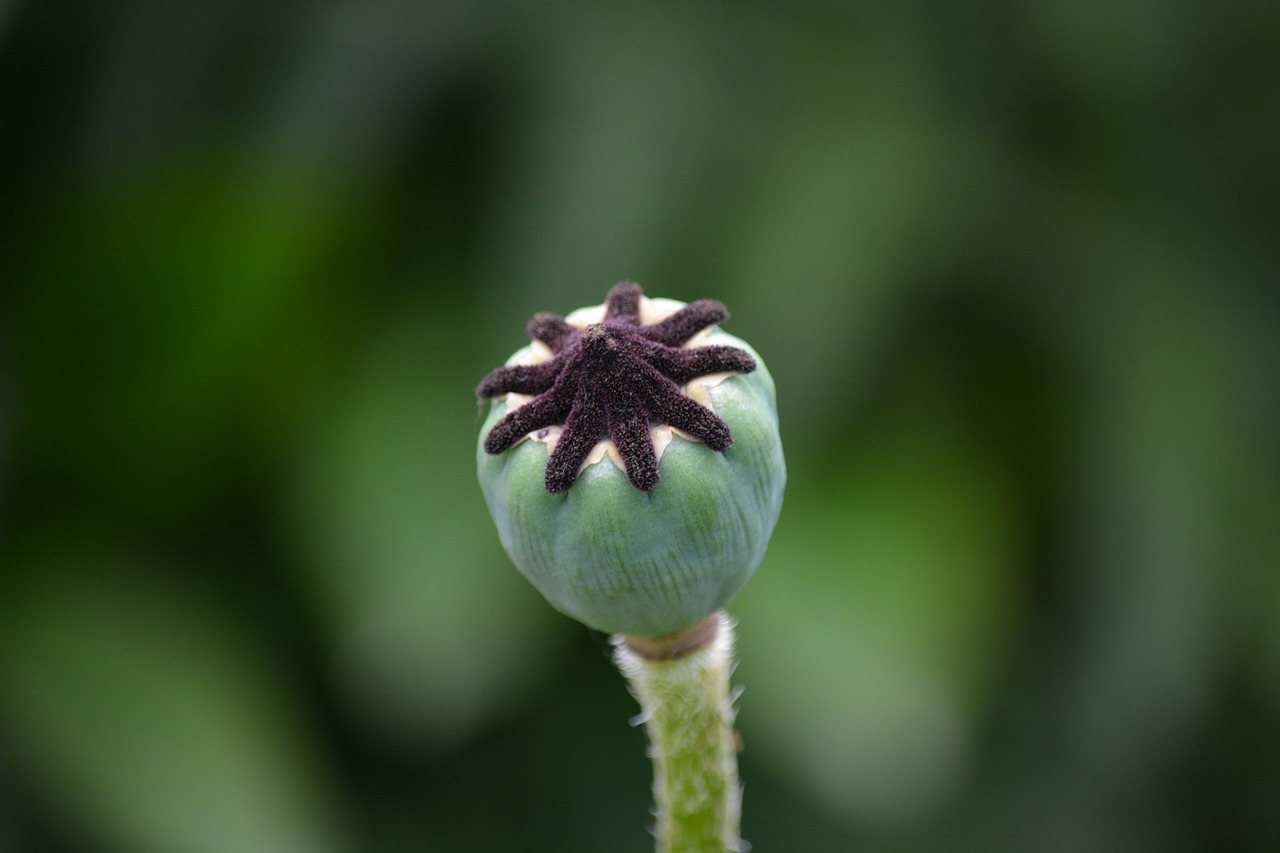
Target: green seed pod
[(631, 462)]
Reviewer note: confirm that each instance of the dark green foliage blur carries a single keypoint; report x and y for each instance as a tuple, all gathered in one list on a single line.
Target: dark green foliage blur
[(1013, 266)]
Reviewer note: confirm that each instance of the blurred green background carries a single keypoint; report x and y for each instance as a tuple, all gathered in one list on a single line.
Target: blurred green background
[(1012, 265)]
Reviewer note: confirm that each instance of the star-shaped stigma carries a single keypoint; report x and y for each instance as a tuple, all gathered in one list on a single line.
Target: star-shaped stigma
[(612, 380)]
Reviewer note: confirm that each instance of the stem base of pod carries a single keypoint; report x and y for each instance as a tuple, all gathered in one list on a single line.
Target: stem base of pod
[(682, 684), (675, 646)]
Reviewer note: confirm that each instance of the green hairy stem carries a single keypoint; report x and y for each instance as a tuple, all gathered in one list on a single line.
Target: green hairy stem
[(688, 712)]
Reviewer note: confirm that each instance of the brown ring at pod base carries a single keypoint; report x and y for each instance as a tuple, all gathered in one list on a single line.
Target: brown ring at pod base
[(677, 645)]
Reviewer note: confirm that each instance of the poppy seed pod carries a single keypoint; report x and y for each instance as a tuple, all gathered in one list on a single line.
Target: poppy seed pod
[(631, 461)]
